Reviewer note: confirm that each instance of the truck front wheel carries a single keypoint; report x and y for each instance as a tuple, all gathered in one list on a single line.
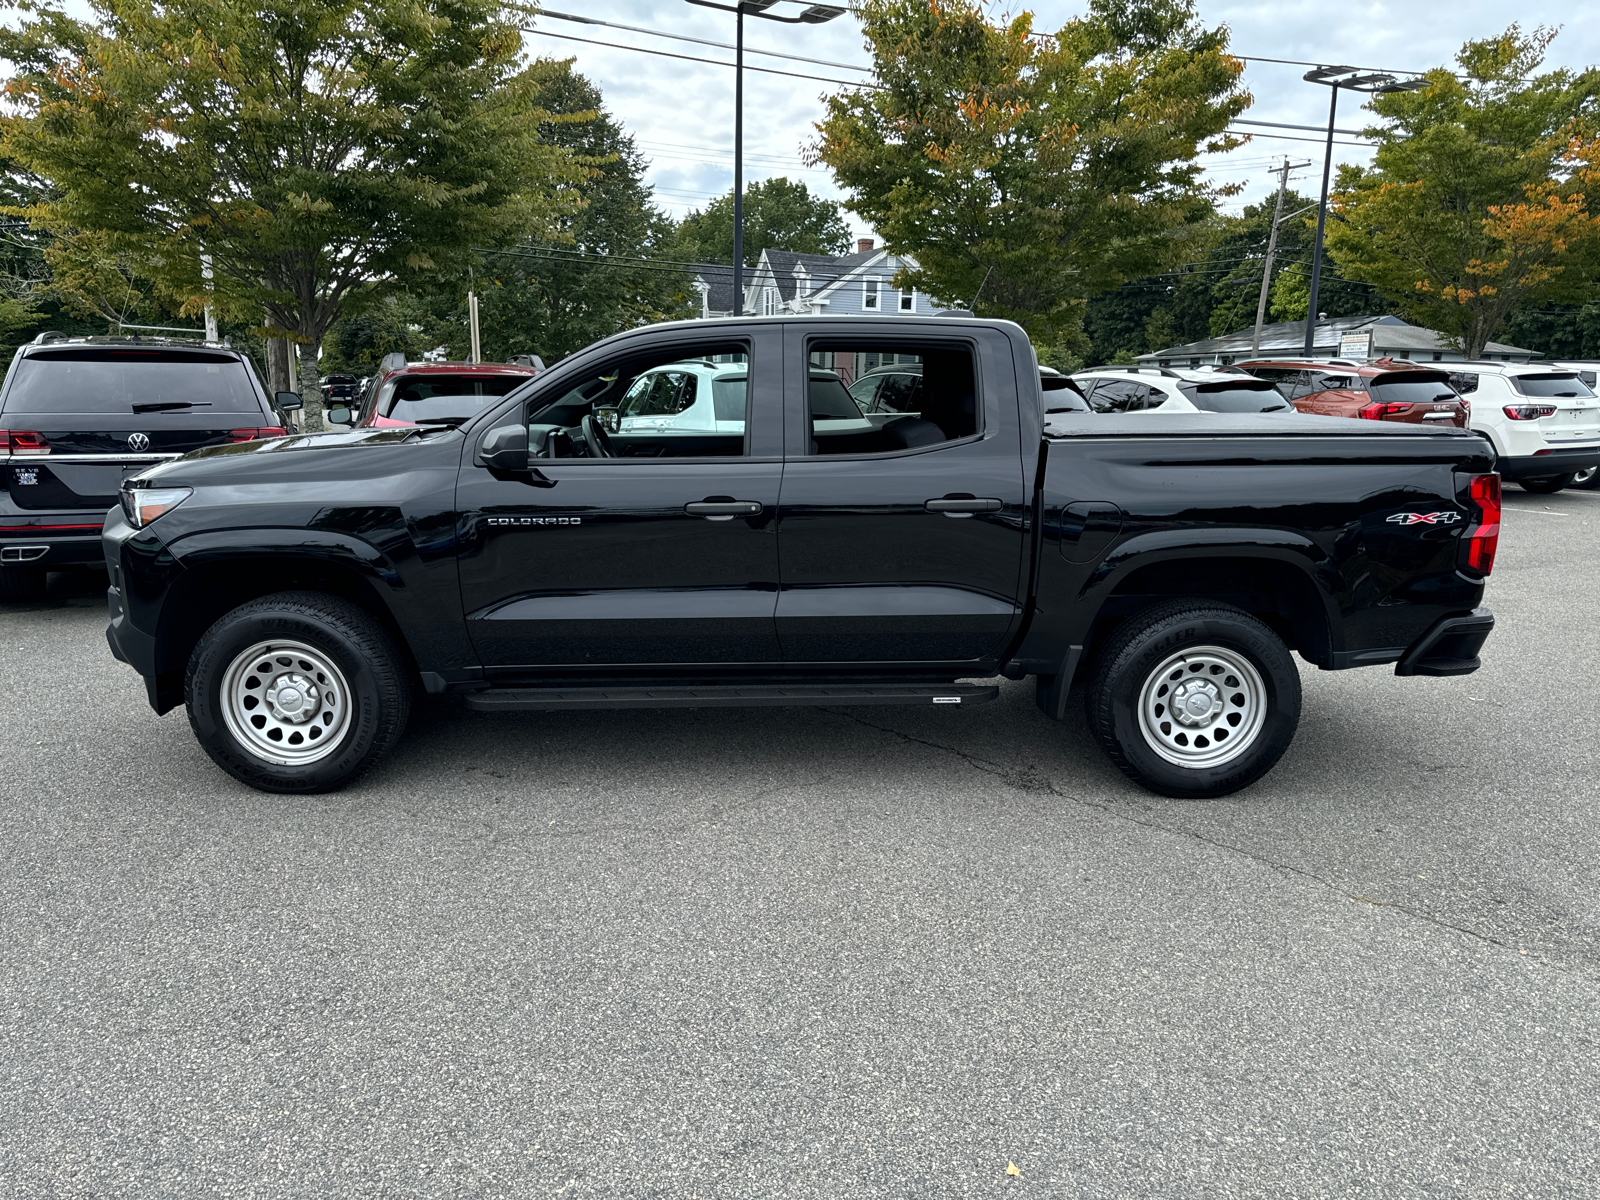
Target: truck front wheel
[(1194, 699), (296, 692)]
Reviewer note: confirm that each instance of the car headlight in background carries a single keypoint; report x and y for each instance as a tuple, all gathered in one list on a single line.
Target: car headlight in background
[(144, 504)]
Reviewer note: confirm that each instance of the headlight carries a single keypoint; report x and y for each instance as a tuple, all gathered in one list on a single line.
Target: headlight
[(144, 504)]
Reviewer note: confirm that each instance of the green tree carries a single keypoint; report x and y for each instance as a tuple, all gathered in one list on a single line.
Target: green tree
[(1484, 194), (779, 214), (1034, 172), (316, 153)]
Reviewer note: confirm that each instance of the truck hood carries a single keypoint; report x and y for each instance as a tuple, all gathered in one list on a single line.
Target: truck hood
[(242, 456)]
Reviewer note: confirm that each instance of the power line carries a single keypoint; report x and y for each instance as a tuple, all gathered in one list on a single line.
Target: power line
[(566, 37), (678, 37)]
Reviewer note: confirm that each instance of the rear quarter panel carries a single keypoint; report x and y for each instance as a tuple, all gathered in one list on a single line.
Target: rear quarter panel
[(1321, 506)]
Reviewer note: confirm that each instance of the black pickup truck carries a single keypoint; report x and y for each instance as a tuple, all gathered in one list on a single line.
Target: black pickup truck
[(700, 514)]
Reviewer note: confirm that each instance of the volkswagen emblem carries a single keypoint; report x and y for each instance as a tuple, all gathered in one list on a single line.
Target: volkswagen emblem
[(138, 441)]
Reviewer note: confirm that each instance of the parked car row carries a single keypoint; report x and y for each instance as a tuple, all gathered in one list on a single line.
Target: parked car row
[(1543, 419)]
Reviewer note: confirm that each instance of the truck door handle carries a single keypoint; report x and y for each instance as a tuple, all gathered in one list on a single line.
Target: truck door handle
[(723, 510), (962, 506)]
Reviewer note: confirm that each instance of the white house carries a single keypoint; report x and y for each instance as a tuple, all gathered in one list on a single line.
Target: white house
[(812, 284)]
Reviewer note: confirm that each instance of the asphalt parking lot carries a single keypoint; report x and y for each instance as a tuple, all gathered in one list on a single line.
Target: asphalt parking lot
[(815, 953)]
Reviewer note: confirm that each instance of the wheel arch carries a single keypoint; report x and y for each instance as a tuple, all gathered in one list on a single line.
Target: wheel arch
[(215, 580), (1277, 584)]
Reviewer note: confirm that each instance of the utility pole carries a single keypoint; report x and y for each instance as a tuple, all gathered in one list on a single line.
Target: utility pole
[(475, 353), (1272, 248)]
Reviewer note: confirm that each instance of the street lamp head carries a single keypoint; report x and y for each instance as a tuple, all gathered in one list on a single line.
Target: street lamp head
[(1327, 74), (1404, 85), (814, 14)]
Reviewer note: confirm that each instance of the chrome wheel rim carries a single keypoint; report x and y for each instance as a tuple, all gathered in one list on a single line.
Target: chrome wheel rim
[(286, 702), (1202, 707)]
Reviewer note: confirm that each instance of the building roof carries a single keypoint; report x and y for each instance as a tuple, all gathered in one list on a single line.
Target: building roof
[(1390, 335), (824, 269)]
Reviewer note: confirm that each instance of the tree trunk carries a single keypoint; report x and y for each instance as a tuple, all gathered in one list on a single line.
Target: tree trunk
[(310, 387), (278, 365)]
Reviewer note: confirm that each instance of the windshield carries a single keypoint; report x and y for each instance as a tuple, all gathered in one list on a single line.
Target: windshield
[(126, 382), (1550, 385), (829, 399), (431, 397), (663, 393), (1235, 396), (1412, 389)]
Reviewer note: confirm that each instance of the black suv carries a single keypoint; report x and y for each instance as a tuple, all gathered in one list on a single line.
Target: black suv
[(79, 414)]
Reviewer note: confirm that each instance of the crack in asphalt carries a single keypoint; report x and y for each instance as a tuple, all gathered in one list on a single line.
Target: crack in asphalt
[(1031, 779)]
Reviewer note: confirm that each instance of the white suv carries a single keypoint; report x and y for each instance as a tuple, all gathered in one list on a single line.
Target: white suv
[(1544, 421), (1164, 390)]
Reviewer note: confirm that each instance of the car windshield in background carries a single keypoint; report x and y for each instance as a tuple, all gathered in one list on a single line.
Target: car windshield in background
[(829, 399), (440, 397), (1410, 389), (1550, 385), (1235, 396), (124, 382)]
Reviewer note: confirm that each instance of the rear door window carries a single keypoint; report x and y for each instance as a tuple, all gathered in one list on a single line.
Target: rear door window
[(1116, 396), (117, 382)]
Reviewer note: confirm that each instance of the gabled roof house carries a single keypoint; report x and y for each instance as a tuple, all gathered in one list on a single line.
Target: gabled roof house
[(812, 284)]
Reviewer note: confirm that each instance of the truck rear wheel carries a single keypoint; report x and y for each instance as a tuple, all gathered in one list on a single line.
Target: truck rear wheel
[(296, 692), (1194, 699)]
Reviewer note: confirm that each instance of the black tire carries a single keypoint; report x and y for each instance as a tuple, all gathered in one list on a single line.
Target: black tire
[(1546, 485), (22, 584), (1587, 479), (1216, 633), (369, 690)]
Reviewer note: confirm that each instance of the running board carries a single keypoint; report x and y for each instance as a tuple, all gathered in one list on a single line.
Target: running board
[(726, 696)]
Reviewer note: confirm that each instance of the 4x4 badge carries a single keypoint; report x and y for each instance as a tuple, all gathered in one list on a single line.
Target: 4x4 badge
[(1433, 518), (138, 441)]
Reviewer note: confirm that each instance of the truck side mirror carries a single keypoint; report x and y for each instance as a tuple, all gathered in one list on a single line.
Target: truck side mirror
[(506, 448), (339, 415), (289, 401)]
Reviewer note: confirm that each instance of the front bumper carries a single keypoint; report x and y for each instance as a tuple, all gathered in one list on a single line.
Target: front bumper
[(1450, 648), (1558, 462)]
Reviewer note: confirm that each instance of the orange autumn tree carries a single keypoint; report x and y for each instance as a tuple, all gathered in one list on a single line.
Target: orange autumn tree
[(1484, 195)]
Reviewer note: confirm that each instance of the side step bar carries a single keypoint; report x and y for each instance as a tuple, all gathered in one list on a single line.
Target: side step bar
[(727, 696)]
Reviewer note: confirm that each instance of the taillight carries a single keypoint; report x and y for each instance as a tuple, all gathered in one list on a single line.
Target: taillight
[(1529, 412), (250, 435), (1483, 538), (1377, 412), (22, 441)]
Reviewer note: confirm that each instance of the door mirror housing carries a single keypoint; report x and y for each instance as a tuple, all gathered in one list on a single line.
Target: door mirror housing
[(289, 401), (338, 415), (610, 419), (506, 448)]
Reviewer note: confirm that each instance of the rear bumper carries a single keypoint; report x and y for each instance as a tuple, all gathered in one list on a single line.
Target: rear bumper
[(51, 540), (1450, 648), (1558, 462)]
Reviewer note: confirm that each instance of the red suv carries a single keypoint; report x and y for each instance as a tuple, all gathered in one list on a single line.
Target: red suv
[(1385, 389), (431, 394)]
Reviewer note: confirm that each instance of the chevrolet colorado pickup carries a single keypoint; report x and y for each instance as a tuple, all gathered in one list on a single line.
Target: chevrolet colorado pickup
[(798, 550)]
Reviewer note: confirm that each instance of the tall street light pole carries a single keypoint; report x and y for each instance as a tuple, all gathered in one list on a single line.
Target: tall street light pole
[(1356, 81), (814, 14)]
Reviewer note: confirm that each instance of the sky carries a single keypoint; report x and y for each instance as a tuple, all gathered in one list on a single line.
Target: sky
[(681, 112)]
